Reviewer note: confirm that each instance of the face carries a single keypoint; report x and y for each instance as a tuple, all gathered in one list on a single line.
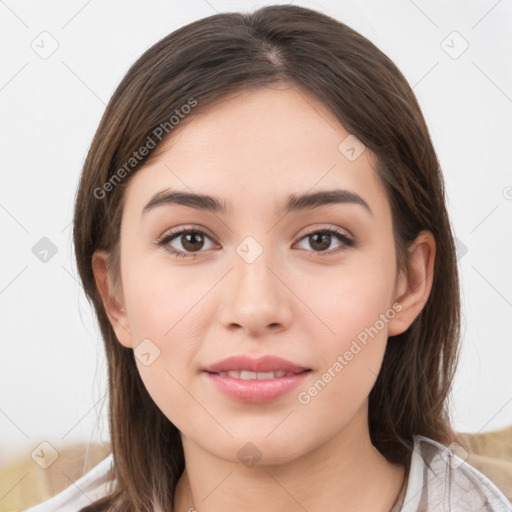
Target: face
[(315, 286)]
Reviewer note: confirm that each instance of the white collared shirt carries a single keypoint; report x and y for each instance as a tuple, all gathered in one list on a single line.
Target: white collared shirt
[(439, 481)]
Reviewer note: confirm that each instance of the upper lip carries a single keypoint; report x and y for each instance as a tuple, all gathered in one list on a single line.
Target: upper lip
[(263, 364)]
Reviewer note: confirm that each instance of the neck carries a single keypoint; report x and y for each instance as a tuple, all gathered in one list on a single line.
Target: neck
[(347, 470)]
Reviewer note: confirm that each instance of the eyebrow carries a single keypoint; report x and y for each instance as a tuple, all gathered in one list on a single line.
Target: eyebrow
[(294, 202)]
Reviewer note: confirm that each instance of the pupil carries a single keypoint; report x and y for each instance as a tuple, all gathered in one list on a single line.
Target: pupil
[(326, 238), (191, 240)]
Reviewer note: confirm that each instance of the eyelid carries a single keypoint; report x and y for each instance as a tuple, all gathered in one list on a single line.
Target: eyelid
[(347, 240), (190, 227), (343, 235), (185, 227), (337, 229)]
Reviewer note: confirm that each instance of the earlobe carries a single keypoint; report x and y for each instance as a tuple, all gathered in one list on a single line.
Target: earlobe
[(413, 290), (113, 304)]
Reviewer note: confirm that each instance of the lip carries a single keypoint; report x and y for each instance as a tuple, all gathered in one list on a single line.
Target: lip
[(255, 391), (266, 363)]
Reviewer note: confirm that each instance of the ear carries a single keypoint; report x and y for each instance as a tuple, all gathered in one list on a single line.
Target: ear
[(413, 291), (113, 302)]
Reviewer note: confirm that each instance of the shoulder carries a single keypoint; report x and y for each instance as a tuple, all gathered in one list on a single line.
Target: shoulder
[(90, 487), (441, 480)]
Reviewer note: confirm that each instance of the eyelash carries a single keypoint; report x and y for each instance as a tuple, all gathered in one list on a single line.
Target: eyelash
[(164, 240)]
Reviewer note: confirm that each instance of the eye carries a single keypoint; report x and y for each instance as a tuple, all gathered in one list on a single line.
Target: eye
[(193, 240), (322, 239), (189, 239)]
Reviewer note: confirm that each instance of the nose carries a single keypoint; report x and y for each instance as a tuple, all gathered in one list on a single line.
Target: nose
[(255, 297)]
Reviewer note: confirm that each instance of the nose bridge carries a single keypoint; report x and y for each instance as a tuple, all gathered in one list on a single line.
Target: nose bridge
[(254, 263), (257, 297)]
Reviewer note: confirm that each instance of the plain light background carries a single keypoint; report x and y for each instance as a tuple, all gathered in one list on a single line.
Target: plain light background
[(52, 366)]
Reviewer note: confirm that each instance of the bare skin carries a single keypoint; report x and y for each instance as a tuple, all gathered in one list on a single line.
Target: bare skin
[(294, 301)]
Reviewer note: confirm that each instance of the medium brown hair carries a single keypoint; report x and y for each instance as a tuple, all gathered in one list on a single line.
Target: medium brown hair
[(206, 61)]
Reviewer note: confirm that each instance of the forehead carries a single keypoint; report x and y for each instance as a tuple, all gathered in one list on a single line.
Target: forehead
[(256, 145)]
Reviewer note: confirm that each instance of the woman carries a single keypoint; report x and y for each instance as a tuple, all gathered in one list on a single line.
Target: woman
[(261, 227)]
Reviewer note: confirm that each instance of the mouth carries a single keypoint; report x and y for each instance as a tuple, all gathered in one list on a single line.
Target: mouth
[(249, 375), (255, 390), (256, 381), (245, 367), (255, 387)]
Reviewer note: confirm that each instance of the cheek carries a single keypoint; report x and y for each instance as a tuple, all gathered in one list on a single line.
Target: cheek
[(351, 357), (357, 309), (354, 297), (161, 298), (354, 353)]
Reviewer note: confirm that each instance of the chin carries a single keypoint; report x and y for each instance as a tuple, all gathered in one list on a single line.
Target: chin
[(258, 448)]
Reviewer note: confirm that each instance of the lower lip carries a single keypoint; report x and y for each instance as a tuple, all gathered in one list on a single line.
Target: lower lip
[(256, 391)]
